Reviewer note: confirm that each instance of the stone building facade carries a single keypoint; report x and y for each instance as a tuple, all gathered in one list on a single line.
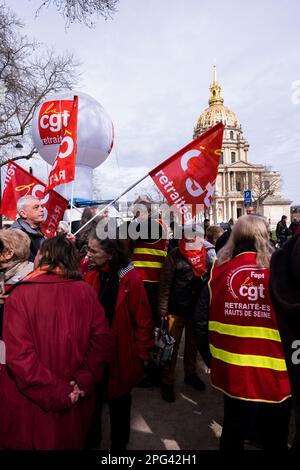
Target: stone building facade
[(236, 174)]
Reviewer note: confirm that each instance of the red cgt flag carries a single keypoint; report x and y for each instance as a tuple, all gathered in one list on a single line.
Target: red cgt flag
[(63, 169), (19, 183), (188, 177)]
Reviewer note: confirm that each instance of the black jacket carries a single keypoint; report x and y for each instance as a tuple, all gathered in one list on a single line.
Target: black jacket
[(200, 324), (285, 295), (179, 288), (35, 235)]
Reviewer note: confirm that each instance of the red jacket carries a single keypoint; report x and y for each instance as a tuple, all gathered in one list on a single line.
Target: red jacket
[(55, 331), (133, 333)]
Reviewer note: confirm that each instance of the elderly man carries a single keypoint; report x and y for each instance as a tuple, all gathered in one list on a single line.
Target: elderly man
[(31, 216)]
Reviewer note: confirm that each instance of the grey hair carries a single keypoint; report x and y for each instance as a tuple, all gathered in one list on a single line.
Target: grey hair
[(21, 203)]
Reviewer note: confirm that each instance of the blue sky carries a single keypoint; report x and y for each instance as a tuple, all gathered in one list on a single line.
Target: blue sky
[(151, 66)]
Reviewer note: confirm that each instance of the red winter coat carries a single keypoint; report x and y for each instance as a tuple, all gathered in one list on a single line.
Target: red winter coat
[(133, 332), (55, 331)]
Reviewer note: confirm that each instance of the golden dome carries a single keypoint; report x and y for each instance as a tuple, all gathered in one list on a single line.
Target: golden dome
[(216, 111), (215, 114)]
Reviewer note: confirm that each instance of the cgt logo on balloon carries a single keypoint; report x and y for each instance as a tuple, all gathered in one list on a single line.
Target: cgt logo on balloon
[(93, 141), (53, 118)]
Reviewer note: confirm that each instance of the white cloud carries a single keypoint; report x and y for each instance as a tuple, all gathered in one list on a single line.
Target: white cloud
[(150, 67)]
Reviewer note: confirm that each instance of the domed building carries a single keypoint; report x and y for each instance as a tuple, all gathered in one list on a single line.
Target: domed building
[(236, 174)]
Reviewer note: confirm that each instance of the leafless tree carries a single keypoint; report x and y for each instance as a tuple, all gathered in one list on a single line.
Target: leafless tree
[(82, 11), (152, 192), (262, 188), (28, 73)]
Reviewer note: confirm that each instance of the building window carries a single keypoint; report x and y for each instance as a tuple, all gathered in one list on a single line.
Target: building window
[(267, 184), (222, 159), (232, 157), (238, 186), (231, 135)]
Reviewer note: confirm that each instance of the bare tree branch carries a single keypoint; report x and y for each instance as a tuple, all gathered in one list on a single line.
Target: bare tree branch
[(28, 73), (264, 186), (82, 11), (22, 157)]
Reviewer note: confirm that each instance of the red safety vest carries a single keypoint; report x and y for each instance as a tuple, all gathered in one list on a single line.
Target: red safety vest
[(247, 355), (148, 258)]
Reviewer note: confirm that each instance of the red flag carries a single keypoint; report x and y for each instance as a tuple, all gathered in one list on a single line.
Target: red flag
[(187, 178), (63, 169), (19, 183)]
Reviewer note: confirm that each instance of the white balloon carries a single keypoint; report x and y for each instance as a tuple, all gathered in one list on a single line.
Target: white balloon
[(83, 187), (95, 136), (94, 130)]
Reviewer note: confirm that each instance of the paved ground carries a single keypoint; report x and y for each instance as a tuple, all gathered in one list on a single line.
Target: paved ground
[(183, 425)]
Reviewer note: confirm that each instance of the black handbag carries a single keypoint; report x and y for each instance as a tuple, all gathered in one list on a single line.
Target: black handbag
[(164, 344)]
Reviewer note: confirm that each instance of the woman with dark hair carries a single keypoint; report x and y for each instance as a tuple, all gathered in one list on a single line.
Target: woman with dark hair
[(57, 343), (122, 294), (58, 255)]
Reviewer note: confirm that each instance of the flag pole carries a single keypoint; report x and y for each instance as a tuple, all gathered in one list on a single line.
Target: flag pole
[(72, 197), (111, 203)]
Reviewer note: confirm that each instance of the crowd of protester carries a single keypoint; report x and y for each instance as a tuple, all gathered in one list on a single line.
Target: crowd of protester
[(78, 315)]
